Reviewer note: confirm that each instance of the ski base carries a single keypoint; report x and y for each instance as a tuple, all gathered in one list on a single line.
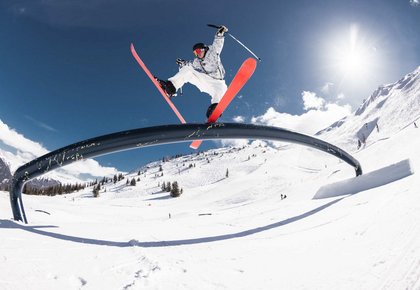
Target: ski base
[(242, 76), (155, 82)]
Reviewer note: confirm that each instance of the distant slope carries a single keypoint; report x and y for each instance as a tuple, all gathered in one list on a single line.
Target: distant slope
[(389, 109)]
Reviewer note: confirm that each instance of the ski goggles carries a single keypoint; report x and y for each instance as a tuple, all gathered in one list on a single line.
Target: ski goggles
[(198, 51)]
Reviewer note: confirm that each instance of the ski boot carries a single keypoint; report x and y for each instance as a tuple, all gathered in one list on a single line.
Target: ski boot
[(168, 87), (211, 109)]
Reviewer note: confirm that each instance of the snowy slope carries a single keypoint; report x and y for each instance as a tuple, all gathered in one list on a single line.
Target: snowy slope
[(388, 110), (235, 232)]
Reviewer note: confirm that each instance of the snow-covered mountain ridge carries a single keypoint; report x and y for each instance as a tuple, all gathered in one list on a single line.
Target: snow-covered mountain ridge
[(389, 109), (408, 83)]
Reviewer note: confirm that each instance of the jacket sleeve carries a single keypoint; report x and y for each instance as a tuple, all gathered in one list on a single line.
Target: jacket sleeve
[(218, 43)]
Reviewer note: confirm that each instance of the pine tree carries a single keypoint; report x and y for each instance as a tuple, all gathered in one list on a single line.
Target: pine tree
[(133, 182), (96, 190), (175, 192)]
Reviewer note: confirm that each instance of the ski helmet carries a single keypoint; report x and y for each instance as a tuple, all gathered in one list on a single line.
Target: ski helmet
[(199, 45)]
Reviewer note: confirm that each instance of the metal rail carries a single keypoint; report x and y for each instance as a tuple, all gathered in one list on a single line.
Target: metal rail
[(152, 136)]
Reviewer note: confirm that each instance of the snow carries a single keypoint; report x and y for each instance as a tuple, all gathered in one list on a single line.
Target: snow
[(367, 181), (237, 232)]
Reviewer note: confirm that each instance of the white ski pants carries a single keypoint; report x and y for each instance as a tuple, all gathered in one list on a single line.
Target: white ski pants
[(206, 84)]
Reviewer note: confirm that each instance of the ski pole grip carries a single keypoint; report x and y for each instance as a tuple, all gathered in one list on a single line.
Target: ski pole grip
[(237, 40), (214, 26)]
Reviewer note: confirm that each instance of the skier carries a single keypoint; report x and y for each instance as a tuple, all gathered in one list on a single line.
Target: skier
[(206, 71)]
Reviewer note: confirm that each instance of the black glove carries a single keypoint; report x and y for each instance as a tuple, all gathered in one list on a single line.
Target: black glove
[(222, 30), (181, 62)]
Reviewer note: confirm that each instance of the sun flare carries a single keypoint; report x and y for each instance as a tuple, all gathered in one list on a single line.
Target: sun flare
[(352, 61), (352, 56)]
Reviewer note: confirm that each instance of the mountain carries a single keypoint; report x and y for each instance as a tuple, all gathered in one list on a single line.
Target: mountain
[(10, 161), (16, 150), (387, 111), (5, 175)]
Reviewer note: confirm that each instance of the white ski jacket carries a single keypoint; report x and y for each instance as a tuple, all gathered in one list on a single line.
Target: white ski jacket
[(211, 64)]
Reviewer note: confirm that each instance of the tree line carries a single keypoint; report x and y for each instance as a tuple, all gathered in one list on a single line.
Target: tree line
[(53, 190)]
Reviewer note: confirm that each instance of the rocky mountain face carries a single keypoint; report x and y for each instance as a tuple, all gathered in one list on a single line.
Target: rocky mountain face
[(5, 175)]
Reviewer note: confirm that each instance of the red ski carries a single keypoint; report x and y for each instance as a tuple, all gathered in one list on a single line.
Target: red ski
[(146, 70), (242, 76)]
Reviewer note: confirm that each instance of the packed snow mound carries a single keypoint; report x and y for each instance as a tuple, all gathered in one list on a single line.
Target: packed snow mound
[(367, 181), (387, 111)]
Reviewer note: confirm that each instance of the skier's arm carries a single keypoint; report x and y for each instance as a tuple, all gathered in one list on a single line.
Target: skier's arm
[(218, 43), (219, 39)]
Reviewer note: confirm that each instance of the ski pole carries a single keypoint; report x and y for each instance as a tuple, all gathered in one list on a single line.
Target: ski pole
[(237, 40)]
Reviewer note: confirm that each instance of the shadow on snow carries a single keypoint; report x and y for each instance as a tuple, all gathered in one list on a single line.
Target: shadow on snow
[(9, 224)]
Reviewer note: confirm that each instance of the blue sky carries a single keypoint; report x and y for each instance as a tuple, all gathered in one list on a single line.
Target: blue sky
[(67, 74)]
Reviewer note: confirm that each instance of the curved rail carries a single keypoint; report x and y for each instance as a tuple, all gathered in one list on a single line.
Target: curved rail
[(152, 136)]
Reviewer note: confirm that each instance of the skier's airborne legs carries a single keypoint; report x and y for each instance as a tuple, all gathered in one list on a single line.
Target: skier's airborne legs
[(206, 71)]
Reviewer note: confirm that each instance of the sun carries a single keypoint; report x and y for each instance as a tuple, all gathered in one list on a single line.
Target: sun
[(351, 56), (352, 61)]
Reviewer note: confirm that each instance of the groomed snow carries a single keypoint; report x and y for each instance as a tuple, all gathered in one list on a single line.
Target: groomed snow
[(239, 232), (226, 233)]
